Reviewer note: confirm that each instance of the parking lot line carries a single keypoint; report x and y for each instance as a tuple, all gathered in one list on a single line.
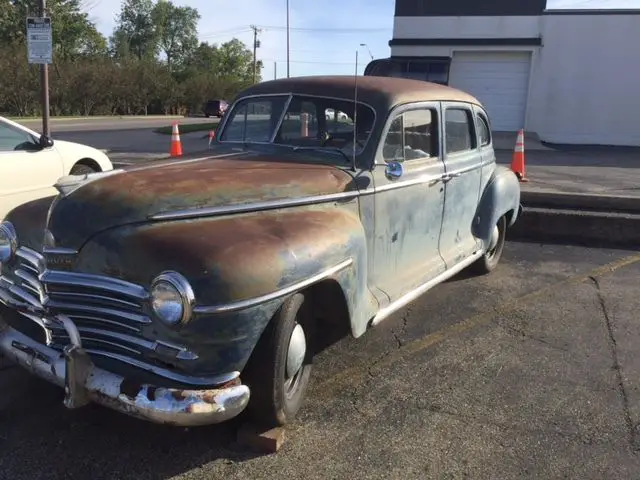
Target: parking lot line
[(356, 375)]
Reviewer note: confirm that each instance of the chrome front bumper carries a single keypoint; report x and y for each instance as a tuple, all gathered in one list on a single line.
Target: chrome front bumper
[(83, 382)]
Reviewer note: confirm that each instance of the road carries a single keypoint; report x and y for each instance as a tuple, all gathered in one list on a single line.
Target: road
[(530, 372)]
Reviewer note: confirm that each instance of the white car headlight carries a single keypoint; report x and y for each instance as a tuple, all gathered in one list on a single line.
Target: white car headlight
[(172, 298), (8, 241)]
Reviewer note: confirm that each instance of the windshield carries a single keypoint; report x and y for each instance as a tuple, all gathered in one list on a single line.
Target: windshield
[(308, 122)]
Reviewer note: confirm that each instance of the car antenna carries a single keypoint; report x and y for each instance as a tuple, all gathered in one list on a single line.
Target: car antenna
[(355, 114)]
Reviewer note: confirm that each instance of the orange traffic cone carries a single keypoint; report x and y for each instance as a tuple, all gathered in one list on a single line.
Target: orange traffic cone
[(176, 143), (517, 163)]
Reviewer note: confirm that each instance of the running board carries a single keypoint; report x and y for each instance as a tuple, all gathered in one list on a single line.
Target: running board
[(414, 294)]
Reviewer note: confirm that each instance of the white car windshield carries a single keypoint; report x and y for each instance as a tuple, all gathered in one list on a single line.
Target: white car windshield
[(313, 122)]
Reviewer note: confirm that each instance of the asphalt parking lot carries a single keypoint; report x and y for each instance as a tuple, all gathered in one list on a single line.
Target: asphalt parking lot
[(530, 372)]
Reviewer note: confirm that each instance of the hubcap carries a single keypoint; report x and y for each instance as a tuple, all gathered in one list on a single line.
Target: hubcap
[(297, 351), (495, 236)]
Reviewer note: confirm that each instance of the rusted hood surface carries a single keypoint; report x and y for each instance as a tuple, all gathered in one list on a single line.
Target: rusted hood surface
[(135, 195)]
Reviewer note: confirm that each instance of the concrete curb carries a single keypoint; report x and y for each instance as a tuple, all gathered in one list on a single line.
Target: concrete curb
[(588, 228), (581, 201)]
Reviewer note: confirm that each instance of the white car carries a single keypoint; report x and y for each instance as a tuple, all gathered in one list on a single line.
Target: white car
[(30, 164)]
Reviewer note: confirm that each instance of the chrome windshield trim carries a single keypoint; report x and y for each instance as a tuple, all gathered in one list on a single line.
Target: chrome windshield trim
[(162, 372), (251, 302), (253, 207), (281, 119)]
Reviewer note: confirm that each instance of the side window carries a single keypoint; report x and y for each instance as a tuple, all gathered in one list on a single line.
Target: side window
[(420, 134), (460, 134), (484, 133), (12, 139), (412, 135)]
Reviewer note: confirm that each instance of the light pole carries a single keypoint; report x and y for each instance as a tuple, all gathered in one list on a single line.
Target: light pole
[(368, 49), (287, 38)]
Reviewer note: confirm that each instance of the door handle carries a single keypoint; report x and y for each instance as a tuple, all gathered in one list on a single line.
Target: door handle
[(449, 176)]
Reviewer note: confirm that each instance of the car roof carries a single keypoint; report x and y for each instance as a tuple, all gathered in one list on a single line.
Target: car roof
[(379, 92)]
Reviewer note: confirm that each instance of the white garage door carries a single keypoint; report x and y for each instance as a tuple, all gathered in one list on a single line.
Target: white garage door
[(499, 80)]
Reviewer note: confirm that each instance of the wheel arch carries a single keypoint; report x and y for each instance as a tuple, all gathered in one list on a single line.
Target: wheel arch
[(89, 162)]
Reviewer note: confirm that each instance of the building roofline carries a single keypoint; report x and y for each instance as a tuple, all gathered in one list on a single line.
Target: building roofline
[(593, 11)]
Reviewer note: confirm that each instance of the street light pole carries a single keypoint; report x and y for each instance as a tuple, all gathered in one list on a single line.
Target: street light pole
[(44, 81), (287, 38)]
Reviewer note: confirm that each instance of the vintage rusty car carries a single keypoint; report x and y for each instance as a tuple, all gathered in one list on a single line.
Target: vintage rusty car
[(189, 291)]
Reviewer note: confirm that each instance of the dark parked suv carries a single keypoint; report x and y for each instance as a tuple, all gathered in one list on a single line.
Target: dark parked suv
[(215, 108)]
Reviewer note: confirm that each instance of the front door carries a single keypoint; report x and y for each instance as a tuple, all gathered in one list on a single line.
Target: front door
[(27, 172), (408, 209), (463, 162)]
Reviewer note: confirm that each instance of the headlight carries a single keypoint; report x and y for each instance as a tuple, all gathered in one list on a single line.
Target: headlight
[(172, 298), (8, 241)]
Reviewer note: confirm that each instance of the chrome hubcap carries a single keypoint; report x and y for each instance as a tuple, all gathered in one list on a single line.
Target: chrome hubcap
[(495, 236), (297, 351)]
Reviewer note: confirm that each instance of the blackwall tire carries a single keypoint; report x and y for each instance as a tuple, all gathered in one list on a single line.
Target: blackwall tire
[(276, 395)]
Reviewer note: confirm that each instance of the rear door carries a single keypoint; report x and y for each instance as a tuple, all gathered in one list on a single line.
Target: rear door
[(463, 164), (27, 171)]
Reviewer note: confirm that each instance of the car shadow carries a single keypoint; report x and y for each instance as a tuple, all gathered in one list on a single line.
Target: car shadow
[(96, 442)]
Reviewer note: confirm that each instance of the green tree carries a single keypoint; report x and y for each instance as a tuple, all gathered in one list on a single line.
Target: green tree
[(177, 31), (135, 32), (235, 62), (73, 33)]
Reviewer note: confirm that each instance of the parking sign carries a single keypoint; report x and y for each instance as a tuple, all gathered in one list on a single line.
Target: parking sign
[(39, 40)]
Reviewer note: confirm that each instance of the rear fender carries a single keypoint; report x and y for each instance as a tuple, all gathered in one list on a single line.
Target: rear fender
[(501, 196)]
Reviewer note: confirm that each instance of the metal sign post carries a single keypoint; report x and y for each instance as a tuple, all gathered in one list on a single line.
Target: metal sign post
[(40, 51)]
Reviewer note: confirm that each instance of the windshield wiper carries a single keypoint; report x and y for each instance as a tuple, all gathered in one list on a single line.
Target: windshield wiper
[(323, 149)]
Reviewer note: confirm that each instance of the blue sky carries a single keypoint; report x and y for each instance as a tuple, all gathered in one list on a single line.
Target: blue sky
[(324, 34)]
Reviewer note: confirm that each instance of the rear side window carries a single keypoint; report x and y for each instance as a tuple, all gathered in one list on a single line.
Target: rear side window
[(484, 133), (460, 134)]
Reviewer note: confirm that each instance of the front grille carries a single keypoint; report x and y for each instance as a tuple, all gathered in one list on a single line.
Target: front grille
[(110, 314)]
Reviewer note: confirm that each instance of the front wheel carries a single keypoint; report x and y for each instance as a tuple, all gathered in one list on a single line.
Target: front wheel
[(279, 370), (489, 261), (81, 169)]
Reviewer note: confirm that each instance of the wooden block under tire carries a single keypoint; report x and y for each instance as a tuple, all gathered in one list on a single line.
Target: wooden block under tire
[(255, 437)]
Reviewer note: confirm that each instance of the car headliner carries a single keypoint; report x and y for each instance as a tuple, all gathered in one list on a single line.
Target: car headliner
[(382, 93)]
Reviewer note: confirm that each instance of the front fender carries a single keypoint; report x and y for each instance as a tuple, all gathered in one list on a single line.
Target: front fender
[(500, 196), (234, 259)]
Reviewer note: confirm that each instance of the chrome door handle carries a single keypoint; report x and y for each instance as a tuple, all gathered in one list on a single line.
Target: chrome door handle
[(449, 176)]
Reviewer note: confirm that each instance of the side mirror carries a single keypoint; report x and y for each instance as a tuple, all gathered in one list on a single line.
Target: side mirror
[(45, 141), (394, 170)]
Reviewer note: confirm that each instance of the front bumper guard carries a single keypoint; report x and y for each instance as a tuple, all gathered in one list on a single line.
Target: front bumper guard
[(83, 383)]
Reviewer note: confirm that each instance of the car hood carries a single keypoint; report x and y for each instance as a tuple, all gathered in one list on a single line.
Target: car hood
[(136, 195)]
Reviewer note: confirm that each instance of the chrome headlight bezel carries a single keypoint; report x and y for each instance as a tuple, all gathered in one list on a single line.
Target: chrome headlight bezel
[(8, 231), (184, 295)]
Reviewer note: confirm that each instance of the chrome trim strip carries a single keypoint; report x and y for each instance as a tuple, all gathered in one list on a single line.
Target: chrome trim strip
[(162, 372), (417, 292), (54, 296), (243, 304), (89, 318), (32, 257), (69, 307), (408, 183), (113, 335), (59, 251), (31, 282), (110, 284), (253, 207)]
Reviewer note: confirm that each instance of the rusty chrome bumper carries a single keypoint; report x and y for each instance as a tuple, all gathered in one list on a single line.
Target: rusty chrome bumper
[(83, 382)]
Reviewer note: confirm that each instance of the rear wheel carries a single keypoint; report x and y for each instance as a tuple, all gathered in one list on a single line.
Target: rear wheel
[(279, 370), (489, 261), (82, 169)]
